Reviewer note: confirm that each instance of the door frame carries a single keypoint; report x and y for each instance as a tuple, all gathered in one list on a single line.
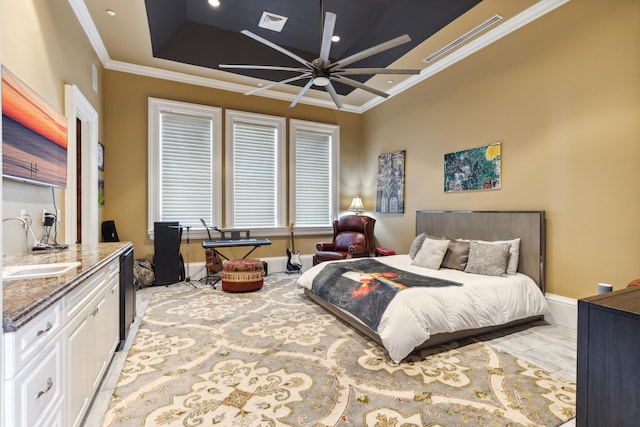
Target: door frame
[(78, 107)]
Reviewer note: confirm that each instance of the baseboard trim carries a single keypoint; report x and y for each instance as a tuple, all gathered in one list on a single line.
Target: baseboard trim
[(563, 311)]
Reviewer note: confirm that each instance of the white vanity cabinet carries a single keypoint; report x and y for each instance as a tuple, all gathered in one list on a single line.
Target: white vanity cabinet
[(54, 364), (91, 337)]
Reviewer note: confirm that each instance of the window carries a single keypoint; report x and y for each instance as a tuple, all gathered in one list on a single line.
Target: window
[(255, 171), (185, 166), (314, 173), (186, 170)]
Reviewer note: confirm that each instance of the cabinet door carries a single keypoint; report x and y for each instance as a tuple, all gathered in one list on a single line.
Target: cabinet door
[(79, 358), (106, 326)]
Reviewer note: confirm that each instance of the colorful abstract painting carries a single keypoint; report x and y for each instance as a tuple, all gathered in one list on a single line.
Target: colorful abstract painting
[(34, 136), (473, 169), (390, 196)]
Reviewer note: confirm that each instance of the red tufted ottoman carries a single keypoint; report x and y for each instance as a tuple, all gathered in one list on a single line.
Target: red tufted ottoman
[(242, 275)]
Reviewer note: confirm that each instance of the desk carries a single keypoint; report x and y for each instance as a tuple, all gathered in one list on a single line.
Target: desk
[(214, 245)]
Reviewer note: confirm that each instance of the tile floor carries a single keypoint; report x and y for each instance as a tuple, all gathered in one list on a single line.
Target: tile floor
[(551, 347)]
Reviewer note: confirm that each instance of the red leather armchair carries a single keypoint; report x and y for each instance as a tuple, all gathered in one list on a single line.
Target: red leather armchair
[(352, 238)]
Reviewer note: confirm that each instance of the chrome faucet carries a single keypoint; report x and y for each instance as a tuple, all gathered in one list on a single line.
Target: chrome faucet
[(17, 218), (26, 224)]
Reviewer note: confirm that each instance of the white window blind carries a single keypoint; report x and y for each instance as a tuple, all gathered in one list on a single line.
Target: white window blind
[(255, 198), (254, 177), (185, 170), (313, 179), (314, 173)]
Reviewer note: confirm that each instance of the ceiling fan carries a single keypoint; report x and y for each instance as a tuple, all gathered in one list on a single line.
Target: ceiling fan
[(321, 71)]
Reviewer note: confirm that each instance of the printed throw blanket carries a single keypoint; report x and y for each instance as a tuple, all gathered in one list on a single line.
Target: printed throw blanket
[(365, 287)]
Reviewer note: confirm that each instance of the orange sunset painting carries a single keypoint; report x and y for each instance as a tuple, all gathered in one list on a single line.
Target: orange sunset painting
[(34, 136)]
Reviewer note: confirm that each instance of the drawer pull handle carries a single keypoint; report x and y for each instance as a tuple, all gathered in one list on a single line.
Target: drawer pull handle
[(49, 385), (46, 329)]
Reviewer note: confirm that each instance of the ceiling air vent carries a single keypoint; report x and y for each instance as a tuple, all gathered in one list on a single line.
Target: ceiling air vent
[(272, 22), (460, 40)]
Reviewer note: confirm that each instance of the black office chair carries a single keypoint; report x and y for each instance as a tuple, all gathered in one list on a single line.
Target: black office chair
[(109, 233)]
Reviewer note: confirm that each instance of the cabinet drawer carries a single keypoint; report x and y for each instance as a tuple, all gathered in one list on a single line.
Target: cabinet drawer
[(37, 390), (21, 345), (113, 269), (80, 297)]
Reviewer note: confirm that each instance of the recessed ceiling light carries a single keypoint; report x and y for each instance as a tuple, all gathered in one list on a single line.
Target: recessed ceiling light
[(214, 3), (111, 12), (335, 39), (389, 81)]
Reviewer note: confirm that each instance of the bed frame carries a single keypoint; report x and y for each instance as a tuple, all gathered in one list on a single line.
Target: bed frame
[(480, 225)]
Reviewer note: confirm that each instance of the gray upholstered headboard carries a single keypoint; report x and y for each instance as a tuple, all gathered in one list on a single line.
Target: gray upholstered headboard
[(494, 225)]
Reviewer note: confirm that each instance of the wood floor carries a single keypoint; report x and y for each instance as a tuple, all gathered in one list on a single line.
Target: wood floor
[(551, 347)]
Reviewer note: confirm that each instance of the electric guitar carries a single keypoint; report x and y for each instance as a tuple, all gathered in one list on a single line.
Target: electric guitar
[(294, 264), (214, 263)]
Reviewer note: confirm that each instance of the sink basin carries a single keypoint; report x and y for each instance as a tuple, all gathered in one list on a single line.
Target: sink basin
[(38, 270)]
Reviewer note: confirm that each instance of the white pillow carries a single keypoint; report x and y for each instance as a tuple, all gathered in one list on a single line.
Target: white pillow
[(514, 253), (431, 253)]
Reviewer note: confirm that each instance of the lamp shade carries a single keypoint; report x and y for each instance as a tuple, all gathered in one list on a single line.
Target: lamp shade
[(356, 205)]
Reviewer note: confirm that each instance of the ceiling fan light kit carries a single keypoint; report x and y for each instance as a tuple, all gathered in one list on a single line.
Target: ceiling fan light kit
[(321, 71)]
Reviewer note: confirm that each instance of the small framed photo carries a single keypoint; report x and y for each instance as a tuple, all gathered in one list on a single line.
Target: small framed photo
[(100, 156)]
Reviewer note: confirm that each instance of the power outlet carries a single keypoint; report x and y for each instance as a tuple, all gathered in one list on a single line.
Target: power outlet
[(49, 219), (44, 215)]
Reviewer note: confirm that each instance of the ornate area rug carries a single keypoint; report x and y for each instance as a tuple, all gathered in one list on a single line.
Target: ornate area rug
[(203, 357)]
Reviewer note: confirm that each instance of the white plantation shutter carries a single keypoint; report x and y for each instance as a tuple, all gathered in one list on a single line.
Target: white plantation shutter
[(255, 171), (254, 175), (313, 179), (185, 167), (314, 174)]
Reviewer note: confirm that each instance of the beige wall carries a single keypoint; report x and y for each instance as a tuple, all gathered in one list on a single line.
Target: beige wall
[(563, 97), (126, 152), (44, 45)]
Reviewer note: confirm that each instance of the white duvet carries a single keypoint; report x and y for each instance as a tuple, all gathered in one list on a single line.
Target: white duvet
[(416, 313)]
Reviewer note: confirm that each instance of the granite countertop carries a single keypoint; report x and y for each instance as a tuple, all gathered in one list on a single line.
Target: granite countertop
[(24, 299)]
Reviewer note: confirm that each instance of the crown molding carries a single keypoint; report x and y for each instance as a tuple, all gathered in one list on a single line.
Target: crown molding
[(518, 21), (175, 76), (525, 17), (89, 27)]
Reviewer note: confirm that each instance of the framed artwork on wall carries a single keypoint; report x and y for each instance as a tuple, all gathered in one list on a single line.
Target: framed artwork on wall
[(100, 156), (390, 194), (34, 136), (474, 169), (100, 192)]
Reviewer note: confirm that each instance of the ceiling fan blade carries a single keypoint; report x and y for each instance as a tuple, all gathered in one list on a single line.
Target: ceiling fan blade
[(334, 95), (276, 47), (262, 67), (301, 93), (327, 33), (360, 71), (281, 82), (356, 84), (369, 52)]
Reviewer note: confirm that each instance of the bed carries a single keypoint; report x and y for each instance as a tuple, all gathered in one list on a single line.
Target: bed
[(446, 303)]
